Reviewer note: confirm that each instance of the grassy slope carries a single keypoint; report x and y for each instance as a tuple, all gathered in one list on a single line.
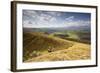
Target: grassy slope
[(64, 50), (40, 42), (77, 52)]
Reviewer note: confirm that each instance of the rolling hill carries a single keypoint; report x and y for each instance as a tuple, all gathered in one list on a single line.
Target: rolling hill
[(37, 44)]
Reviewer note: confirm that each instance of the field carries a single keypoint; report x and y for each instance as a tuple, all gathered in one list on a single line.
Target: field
[(55, 45)]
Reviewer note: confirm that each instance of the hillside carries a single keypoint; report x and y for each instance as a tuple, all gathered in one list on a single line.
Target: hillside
[(78, 51), (37, 44)]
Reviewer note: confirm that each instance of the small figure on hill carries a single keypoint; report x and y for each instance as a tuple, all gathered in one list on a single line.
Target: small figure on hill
[(50, 49)]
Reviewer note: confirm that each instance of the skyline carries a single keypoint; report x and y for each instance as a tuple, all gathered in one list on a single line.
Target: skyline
[(54, 19)]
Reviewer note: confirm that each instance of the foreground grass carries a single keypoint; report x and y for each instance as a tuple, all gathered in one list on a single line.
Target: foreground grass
[(78, 51)]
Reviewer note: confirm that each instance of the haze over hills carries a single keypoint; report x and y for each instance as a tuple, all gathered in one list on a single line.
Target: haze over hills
[(58, 29)]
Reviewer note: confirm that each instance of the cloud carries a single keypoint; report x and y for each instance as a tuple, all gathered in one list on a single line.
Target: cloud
[(45, 17), (77, 23), (29, 13), (54, 13), (28, 23), (46, 20), (70, 21), (70, 18), (39, 19), (29, 18)]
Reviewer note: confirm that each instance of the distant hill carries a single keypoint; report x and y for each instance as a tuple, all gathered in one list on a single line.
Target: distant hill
[(59, 29)]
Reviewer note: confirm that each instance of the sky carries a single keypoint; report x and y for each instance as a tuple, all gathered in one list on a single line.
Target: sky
[(54, 19)]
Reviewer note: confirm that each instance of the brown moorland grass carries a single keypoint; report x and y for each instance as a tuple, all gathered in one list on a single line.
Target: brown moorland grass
[(40, 43), (78, 51)]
